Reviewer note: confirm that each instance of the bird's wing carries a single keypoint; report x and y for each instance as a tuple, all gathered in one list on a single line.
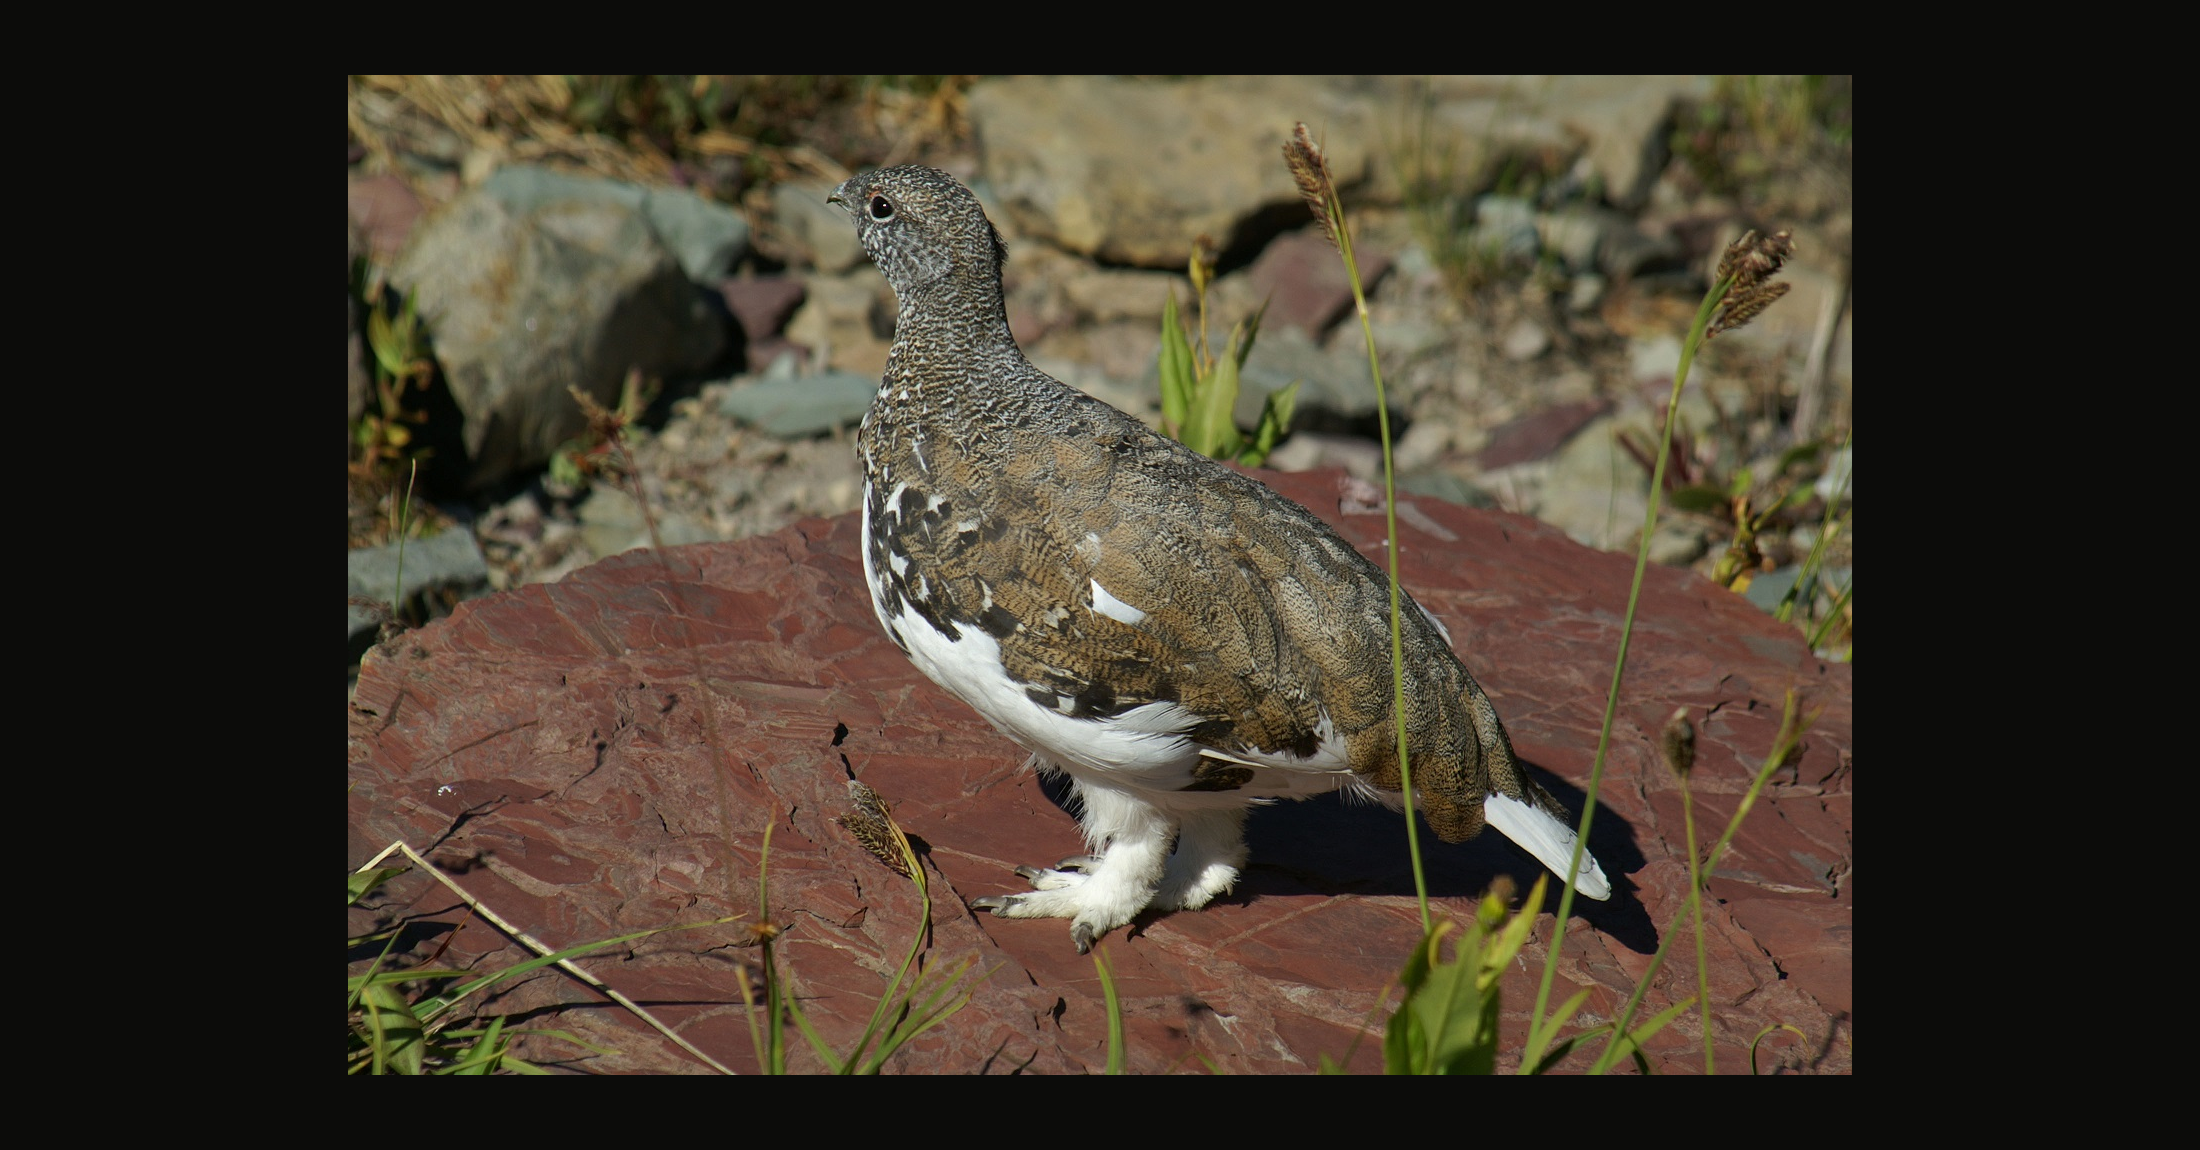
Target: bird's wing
[(1160, 576)]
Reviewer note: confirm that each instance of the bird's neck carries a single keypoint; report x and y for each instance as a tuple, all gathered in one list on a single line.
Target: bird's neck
[(950, 335), (956, 308)]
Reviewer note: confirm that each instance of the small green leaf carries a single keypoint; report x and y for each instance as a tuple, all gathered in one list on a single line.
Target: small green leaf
[(563, 470), (1275, 421), (1176, 371), (1514, 934), (387, 351)]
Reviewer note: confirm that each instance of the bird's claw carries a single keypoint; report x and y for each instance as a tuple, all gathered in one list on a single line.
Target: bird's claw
[(1067, 872), (1059, 891)]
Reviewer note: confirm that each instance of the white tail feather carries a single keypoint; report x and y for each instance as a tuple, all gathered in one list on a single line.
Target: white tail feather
[(1550, 841)]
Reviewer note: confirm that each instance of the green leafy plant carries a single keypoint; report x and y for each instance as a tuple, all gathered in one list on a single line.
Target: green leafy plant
[(1447, 1021), (1752, 509), (383, 437), (1199, 390), (384, 447)]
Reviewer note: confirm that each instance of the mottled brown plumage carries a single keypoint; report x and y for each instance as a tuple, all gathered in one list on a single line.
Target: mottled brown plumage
[(1178, 638)]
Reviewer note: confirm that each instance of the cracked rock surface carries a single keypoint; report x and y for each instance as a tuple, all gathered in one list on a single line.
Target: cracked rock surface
[(603, 754)]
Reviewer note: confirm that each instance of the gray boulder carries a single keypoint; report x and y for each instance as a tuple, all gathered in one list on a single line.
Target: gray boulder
[(527, 300)]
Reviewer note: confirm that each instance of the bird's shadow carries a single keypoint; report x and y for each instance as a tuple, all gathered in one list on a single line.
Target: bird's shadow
[(1333, 846)]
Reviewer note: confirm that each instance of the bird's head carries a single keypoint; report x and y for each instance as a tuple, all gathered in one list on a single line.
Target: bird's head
[(922, 227)]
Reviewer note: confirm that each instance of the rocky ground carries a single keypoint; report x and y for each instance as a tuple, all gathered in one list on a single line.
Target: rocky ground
[(590, 762), (1520, 348), (605, 754)]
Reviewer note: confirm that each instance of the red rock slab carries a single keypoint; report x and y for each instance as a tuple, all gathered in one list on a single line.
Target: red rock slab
[(605, 754), (1305, 284)]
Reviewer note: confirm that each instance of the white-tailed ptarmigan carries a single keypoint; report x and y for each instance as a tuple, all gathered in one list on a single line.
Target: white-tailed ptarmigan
[(1176, 638)]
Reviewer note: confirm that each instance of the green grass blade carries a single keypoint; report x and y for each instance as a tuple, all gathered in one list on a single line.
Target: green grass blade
[(1806, 579), (451, 997), (833, 1062), (888, 997), (360, 983), (1761, 1037), (486, 1052), (420, 974), (1115, 1010), (1629, 1045), (1695, 914), (1833, 614), (923, 1016), (359, 885), (1241, 349), (1565, 1046)]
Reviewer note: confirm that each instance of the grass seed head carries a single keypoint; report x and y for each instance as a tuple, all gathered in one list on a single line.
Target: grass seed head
[(1751, 262), (1679, 743), (874, 827), (1310, 170)]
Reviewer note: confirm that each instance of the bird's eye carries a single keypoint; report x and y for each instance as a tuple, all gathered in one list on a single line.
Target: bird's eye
[(882, 208)]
